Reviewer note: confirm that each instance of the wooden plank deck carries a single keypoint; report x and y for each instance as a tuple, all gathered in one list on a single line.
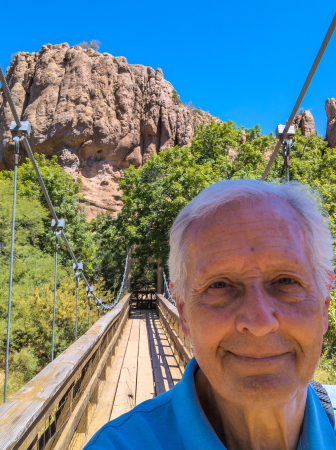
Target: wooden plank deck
[(143, 367)]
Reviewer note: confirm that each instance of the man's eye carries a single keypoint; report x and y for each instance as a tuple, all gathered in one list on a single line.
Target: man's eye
[(218, 285), (286, 280)]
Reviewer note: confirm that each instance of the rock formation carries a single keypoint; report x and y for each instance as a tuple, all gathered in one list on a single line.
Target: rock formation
[(98, 113), (330, 107), (305, 121)]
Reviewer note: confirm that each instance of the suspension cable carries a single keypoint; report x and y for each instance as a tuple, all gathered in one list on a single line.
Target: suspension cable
[(21, 130), (167, 290), (78, 269), (105, 307), (302, 93), (57, 230), (16, 162), (36, 169)]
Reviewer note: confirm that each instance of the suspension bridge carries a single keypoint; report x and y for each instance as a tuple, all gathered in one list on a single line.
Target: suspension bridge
[(134, 352)]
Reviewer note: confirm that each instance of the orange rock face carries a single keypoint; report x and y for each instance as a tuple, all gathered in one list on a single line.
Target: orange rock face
[(98, 113)]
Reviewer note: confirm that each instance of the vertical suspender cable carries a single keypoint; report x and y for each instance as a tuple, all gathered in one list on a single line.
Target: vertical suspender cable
[(55, 287), (9, 98), (16, 162), (89, 312), (77, 285)]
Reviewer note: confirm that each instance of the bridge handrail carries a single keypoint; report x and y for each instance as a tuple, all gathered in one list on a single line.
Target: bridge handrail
[(181, 345), (26, 412)]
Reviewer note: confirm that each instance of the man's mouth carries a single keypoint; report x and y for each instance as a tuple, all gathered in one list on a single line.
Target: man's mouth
[(255, 358)]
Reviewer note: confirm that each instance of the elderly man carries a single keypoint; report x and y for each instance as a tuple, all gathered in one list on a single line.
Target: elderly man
[(251, 271)]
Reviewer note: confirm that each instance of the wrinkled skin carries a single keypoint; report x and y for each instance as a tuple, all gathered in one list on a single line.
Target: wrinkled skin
[(256, 318)]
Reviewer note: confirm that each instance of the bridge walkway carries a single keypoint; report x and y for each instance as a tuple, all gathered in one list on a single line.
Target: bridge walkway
[(143, 367), (128, 356)]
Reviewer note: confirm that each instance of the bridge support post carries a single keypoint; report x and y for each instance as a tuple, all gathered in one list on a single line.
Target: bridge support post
[(159, 277), (95, 395)]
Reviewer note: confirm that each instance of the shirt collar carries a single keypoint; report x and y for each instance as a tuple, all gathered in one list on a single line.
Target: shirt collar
[(317, 432), (196, 431)]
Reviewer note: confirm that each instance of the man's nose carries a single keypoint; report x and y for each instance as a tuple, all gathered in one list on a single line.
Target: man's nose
[(257, 314)]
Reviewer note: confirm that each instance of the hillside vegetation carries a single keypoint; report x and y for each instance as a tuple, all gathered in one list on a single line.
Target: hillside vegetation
[(152, 195)]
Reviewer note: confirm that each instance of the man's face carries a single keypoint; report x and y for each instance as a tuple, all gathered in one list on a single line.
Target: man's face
[(252, 308)]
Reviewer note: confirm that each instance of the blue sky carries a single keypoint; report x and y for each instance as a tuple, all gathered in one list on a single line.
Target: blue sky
[(242, 61)]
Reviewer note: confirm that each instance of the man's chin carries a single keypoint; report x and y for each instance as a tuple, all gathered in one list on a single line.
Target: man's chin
[(265, 388)]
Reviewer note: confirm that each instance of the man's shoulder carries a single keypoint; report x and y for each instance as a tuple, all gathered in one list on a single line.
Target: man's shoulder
[(144, 409), (145, 426)]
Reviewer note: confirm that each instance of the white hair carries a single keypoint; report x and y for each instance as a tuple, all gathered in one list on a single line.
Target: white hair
[(303, 199)]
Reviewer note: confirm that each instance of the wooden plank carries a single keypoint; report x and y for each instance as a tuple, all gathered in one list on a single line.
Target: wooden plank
[(67, 434), (171, 313), (173, 366), (162, 378), (182, 352), (103, 411), (145, 389), (23, 416), (126, 390)]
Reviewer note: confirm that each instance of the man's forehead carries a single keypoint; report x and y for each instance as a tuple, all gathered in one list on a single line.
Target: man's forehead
[(267, 217)]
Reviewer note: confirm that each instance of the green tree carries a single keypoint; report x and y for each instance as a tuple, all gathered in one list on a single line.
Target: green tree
[(64, 193)]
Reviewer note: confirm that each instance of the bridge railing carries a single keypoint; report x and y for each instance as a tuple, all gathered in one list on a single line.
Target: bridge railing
[(51, 411), (181, 345)]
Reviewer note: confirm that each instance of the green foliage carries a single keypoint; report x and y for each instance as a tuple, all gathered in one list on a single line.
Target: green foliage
[(26, 362), (64, 193), (154, 194), (33, 274), (176, 98), (95, 44)]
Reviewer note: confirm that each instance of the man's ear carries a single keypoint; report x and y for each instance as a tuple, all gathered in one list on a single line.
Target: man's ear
[(331, 281), (180, 305)]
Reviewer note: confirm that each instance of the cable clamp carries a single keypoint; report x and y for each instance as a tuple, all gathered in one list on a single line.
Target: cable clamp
[(89, 292), (22, 131), (77, 267), (57, 229), (286, 139), (58, 225)]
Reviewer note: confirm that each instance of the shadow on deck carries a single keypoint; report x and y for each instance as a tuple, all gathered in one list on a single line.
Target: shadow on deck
[(143, 367)]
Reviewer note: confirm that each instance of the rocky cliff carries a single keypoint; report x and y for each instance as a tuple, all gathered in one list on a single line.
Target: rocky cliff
[(98, 113), (305, 121), (330, 107)]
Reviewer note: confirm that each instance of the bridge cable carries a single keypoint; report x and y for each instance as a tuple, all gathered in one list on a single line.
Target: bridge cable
[(57, 230), (22, 129), (89, 293), (167, 290), (302, 93), (121, 290), (77, 270), (16, 140)]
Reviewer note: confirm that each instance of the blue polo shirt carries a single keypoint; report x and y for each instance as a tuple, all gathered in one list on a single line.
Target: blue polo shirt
[(175, 421)]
